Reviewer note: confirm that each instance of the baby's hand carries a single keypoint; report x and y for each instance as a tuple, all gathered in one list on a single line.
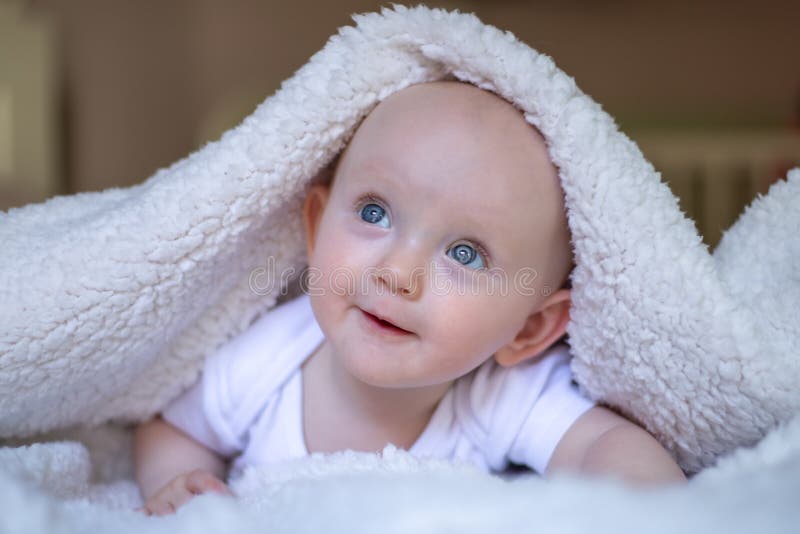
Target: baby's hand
[(181, 489)]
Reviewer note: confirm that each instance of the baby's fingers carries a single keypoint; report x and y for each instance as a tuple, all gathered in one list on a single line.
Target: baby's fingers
[(199, 481), (159, 507), (169, 499)]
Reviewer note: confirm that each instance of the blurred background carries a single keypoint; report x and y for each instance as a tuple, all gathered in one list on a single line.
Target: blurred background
[(101, 93)]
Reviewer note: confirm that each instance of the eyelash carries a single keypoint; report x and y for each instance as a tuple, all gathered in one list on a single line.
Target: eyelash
[(368, 198), (481, 250)]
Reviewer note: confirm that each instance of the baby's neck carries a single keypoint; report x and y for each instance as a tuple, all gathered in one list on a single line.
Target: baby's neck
[(340, 412)]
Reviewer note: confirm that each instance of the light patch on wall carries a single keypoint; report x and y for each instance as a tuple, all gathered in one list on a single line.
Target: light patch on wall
[(6, 133)]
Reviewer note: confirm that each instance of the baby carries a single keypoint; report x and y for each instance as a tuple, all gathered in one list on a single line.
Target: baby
[(438, 258)]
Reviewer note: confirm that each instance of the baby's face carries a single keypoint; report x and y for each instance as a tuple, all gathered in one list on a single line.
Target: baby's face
[(445, 218)]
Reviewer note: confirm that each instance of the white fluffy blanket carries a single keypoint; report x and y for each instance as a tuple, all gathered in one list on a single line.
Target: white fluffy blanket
[(752, 491), (110, 302)]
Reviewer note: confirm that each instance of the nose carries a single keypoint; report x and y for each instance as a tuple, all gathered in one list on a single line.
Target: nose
[(401, 271)]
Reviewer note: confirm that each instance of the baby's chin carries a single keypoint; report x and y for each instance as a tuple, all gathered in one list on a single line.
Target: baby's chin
[(395, 376)]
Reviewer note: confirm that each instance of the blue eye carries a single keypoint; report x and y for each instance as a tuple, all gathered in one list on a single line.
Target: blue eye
[(467, 256), (374, 214)]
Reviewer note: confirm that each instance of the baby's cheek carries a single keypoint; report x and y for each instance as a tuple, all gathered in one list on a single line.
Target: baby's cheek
[(447, 281), (331, 270), (465, 326)]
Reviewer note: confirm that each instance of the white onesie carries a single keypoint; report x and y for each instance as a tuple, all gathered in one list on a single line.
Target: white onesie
[(248, 401)]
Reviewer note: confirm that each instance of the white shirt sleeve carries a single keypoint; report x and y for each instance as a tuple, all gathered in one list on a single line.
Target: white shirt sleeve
[(187, 413), (240, 378), (554, 412), (519, 414), (215, 410)]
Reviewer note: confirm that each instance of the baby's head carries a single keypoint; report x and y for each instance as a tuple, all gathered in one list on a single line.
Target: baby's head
[(445, 217)]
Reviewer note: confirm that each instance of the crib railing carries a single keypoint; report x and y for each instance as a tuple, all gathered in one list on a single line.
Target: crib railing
[(715, 175)]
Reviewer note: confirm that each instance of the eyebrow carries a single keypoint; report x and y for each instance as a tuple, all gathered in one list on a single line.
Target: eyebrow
[(382, 166)]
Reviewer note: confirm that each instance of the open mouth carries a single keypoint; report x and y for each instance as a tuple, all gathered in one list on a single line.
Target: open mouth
[(384, 326)]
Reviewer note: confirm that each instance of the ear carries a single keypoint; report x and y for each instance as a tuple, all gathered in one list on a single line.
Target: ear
[(313, 207), (541, 330)]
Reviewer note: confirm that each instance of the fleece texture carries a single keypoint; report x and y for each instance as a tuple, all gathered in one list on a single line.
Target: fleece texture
[(52, 487), (111, 301)]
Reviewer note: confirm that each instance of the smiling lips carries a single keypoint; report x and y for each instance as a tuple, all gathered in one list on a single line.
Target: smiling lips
[(382, 325)]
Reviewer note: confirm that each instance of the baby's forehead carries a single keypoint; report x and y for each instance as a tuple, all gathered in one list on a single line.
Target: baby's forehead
[(459, 105), (474, 130)]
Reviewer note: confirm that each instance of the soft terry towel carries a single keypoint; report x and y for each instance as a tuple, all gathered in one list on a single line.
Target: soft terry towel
[(110, 301)]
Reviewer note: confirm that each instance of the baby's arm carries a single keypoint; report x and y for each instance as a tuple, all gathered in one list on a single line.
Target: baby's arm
[(170, 467), (601, 442)]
